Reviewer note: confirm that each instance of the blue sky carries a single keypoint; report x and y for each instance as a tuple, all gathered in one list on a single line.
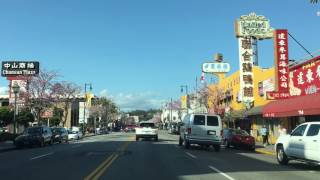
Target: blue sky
[(139, 52)]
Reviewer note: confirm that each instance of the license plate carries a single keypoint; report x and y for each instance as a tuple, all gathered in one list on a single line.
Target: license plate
[(212, 133)]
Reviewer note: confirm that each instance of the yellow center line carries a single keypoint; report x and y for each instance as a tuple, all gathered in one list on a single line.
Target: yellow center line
[(107, 163)]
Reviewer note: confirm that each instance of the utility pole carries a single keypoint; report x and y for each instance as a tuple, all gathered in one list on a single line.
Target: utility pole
[(170, 110)]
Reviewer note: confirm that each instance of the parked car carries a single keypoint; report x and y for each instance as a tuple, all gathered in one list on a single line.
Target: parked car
[(147, 130), (302, 144), (130, 128), (39, 135), (201, 129), (59, 134), (74, 135), (238, 139)]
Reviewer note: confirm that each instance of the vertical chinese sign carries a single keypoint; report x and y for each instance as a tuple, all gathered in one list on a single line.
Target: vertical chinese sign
[(246, 72), (282, 65)]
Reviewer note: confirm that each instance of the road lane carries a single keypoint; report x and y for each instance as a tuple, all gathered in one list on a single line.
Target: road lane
[(117, 156)]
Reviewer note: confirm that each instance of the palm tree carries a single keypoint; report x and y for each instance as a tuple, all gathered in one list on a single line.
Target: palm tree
[(314, 1)]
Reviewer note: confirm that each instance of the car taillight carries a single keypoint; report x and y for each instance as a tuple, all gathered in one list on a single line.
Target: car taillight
[(189, 130)]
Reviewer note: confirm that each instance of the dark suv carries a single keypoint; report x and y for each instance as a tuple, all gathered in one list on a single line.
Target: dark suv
[(38, 135), (59, 134)]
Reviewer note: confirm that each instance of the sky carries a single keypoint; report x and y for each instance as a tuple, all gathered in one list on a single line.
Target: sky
[(139, 52)]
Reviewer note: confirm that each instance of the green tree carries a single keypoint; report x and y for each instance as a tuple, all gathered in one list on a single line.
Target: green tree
[(6, 116), (25, 117), (57, 117)]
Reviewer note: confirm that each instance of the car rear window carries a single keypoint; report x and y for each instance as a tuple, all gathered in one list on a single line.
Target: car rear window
[(212, 121), (147, 125), (199, 120)]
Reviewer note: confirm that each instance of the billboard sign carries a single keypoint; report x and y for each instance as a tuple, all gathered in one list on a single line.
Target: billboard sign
[(47, 113), (305, 78), (216, 67), (19, 68), (253, 25), (281, 64), (246, 69)]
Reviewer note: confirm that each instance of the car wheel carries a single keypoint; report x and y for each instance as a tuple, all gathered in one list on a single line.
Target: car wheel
[(180, 141), (216, 148), (51, 141), (137, 138), (186, 144), (281, 156), (156, 138)]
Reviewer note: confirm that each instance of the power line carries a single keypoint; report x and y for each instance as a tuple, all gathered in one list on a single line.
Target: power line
[(300, 45)]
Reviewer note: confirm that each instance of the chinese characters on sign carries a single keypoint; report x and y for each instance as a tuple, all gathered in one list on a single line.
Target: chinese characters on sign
[(281, 64), (246, 73), (216, 67), (305, 78), (19, 68)]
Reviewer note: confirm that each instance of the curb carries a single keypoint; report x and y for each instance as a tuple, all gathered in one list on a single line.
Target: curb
[(271, 153)]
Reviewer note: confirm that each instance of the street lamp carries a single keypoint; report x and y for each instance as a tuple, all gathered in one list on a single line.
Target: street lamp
[(16, 89), (84, 105)]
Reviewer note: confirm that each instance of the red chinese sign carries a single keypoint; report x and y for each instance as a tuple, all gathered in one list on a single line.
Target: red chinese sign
[(305, 78), (282, 67)]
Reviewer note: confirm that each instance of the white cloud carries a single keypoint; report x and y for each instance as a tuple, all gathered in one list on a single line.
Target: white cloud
[(143, 101), (103, 93)]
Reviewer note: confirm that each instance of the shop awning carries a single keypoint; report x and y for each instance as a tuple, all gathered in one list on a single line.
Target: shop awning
[(254, 111), (294, 106)]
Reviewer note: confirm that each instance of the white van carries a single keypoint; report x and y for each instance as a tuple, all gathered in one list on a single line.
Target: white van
[(201, 129)]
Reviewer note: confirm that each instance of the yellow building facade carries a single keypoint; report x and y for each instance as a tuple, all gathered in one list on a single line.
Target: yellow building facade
[(229, 90)]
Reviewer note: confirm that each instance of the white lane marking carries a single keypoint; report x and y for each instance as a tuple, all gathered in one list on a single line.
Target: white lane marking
[(191, 155), (37, 157), (222, 173)]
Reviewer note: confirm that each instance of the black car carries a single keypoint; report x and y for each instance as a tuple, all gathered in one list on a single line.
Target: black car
[(39, 135), (59, 134)]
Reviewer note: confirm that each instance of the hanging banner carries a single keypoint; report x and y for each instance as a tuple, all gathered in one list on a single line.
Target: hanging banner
[(246, 71), (184, 102)]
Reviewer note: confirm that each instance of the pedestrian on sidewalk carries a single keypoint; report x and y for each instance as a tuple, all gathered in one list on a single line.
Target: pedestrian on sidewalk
[(264, 134)]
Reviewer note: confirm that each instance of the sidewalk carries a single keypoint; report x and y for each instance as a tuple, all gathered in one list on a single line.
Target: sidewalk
[(269, 149), (6, 146)]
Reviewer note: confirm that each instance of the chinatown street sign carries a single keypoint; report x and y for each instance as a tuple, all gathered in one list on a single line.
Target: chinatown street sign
[(253, 25), (215, 67), (19, 68)]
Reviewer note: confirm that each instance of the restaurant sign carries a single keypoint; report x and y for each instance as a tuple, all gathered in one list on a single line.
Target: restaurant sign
[(246, 70), (19, 68), (305, 78), (253, 25)]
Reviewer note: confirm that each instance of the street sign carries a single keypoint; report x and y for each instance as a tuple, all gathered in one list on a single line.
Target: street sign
[(216, 67), (47, 114), (19, 68)]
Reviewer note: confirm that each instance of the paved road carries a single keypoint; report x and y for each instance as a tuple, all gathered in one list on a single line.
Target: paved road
[(118, 156)]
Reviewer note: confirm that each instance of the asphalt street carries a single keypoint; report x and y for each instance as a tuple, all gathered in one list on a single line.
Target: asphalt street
[(118, 156)]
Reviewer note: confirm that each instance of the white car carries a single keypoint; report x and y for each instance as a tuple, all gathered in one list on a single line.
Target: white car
[(302, 144), (74, 135), (146, 130)]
